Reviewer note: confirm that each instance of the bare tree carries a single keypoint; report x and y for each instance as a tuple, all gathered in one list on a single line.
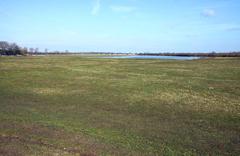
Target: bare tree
[(3, 46), (31, 50), (36, 50), (24, 51), (9, 48)]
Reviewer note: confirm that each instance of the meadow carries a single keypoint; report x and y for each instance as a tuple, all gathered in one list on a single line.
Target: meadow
[(72, 105)]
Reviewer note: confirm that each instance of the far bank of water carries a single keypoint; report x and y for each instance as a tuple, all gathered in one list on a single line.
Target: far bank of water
[(155, 57)]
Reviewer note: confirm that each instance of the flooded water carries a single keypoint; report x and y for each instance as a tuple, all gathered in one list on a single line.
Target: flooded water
[(155, 57)]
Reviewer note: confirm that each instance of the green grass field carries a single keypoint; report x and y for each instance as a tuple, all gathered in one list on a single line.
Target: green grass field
[(66, 105)]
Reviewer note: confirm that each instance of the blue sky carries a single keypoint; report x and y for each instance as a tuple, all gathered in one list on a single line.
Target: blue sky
[(122, 25)]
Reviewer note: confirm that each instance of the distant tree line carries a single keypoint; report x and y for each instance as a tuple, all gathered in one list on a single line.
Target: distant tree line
[(212, 54), (7, 48), (11, 49), (66, 52)]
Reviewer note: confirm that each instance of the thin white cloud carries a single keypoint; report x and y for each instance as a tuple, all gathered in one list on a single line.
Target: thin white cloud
[(3, 13), (237, 28), (208, 13), (231, 27), (96, 7), (119, 8)]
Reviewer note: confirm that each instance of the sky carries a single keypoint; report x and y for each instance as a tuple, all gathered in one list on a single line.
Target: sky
[(122, 25)]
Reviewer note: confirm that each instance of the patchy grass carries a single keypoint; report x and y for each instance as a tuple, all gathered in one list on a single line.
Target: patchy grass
[(70, 105)]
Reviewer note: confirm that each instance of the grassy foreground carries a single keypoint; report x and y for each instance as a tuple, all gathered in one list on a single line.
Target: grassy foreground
[(66, 105)]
